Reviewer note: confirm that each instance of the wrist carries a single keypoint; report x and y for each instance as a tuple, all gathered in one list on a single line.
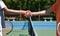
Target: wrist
[(23, 12)]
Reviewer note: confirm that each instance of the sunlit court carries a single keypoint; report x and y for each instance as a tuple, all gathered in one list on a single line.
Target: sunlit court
[(20, 28)]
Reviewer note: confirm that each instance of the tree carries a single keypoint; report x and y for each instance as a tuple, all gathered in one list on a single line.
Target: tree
[(32, 5)]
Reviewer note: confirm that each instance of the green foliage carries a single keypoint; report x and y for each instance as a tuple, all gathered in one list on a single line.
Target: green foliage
[(33, 5)]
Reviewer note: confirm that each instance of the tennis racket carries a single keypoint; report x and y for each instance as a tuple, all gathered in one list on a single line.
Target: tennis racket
[(31, 28), (9, 27)]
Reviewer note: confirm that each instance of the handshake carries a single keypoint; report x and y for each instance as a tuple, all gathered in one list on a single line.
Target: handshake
[(29, 13)]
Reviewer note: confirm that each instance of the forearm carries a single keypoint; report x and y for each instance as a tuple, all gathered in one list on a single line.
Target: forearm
[(13, 11), (44, 12), (39, 13)]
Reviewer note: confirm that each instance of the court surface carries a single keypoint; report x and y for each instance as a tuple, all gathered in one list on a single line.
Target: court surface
[(42, 28)]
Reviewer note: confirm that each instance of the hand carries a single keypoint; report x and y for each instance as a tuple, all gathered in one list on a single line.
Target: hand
[(28, 14)]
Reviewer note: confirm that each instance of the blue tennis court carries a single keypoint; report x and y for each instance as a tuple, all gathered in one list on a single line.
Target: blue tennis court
[(20, 28)]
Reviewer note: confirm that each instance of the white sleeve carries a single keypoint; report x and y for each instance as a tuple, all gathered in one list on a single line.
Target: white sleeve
[(2, 5)]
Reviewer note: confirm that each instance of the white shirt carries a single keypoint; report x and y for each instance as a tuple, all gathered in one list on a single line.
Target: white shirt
[(2, 5)]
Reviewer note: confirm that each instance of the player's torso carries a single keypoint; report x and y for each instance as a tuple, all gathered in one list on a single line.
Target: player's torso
[(58, 15), (57, 10)]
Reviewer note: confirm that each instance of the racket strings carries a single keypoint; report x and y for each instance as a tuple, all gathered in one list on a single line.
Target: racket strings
[(11, 29)]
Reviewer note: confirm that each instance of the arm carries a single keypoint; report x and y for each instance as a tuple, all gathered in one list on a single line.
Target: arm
[(14, 11), (44, 12), (11, 11)]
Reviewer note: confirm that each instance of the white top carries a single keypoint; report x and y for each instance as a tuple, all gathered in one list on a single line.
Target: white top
[(2, 5)]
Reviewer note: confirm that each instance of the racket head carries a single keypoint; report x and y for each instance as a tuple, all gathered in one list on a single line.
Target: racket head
[(9, 27)]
